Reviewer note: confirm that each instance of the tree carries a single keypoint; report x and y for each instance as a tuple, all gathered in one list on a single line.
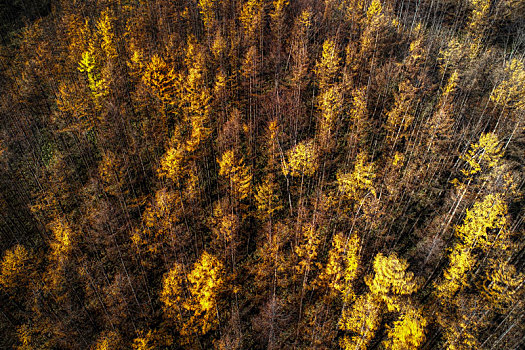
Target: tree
[(206, 281), (363, 320), (326, 69), (238, 175), (172, 295), (408, 332), (482, 155), (302, 160), (355, 185), (342, 266), (16, 268), (391, 281)]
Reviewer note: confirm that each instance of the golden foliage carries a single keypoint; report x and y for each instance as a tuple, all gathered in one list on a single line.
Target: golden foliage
[(484, 154), (267, 198), (98, 85), (501, 285), (342, 266), (363, 319), (61, 244), (172, 294), (361, 181), (206, 280), (461, 262), (408, 332), (15, 267), (510, 92), (106, 32), (302, 160), (237, 173), (206, 8), (484, 223), (330, 105), (326, 69), (251, 17), (391, 279), (307, 248), (107, 341), (161, 78), (172, 164)]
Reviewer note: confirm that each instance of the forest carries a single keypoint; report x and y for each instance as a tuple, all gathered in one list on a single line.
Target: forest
[(262, 174)]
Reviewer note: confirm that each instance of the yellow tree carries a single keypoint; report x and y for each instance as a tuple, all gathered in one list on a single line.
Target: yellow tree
[(161, 79), (96, 83), (363, 319), (206, 9), (302, 160), (238, 175), (408, 332), (108, 341), (172, 293), (477, 24), (225, 226), (484, 225), (510, 92), (326, 69), (106, 33), (342, 266), (330, 106), (194, 97), (206, 281), (267, 198), (391, 281), (252, 15), (482, 155), (16, 268), (355, 185)]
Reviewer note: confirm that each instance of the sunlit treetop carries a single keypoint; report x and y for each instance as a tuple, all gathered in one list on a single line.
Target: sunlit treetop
[(172, 293), (363, 319), (484, 154), (360, 180), (302, 160), (61, 244), (501, 285), (307, 249), (374, 12), (14, 267), (108, 341), (482, 220), (510, 92), (408, 332), (172, 163), (237, 173), (328, 66), (105, 30), (391, 279), (206, 8), (456, 276)]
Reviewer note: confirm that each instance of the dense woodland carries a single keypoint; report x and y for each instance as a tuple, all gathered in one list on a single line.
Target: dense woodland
[(258, 174)]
